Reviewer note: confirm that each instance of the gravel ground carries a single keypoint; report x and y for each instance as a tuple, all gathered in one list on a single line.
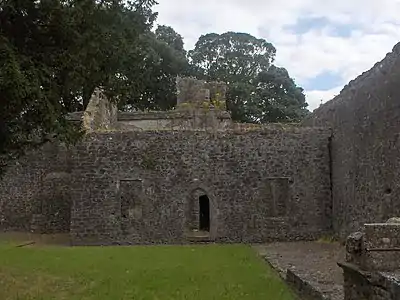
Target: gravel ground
[(314, 262)]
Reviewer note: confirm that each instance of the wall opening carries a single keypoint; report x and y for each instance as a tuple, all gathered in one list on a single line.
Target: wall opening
[(130, 196), (204, 213), (53, 205), (125, 206), (277, 194)]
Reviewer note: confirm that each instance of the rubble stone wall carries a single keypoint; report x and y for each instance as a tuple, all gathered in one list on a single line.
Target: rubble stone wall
[(365, 119), (138, 187)]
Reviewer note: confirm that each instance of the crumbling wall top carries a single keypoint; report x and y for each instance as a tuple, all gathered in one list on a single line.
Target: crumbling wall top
[(198, 94), (100, 113)]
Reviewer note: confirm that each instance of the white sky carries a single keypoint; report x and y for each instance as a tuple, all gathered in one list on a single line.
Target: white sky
[(320, 56)]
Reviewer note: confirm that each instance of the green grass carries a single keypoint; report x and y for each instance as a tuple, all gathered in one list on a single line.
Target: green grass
[(328, 239), (156, 272)]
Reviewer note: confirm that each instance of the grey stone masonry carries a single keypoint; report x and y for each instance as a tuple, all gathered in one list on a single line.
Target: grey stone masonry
[(143, 187), (365, 120), (372, 267)]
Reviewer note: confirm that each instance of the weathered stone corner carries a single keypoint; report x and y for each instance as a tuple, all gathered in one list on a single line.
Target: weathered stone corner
[(354, 247), (100, 114), (376, 248), (372, 267)]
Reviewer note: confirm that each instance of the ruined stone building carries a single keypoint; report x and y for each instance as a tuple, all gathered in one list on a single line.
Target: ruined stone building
[(191, 174)]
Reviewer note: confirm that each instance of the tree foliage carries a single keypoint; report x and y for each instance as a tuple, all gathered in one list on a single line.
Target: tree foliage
[(258, 91), (164, 61), (54, 53), (169, 36), (231, 56)]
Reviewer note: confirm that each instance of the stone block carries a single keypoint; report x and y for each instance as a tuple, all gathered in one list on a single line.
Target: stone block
[(100, 113), (369, 285), (191, 91), (385, 236), (385, 261), (394, 220), (354, 248), (199, 94), (377, 248)]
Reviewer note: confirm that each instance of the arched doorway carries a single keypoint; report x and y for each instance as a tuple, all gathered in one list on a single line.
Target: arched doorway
[(204, 213), (201, 215)]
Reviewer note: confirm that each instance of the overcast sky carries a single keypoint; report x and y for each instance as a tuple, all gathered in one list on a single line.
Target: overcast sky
[(323, 44)]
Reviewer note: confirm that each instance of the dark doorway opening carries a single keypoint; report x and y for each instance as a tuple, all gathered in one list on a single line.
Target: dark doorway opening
[(204, 213)]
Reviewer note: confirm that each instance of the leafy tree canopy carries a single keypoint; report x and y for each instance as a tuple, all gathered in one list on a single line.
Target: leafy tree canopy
[(231, 56), (165, 59), (258, 91), (54, 53)]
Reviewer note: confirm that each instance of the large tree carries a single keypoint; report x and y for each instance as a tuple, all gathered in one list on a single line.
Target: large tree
[(231, 56), (53, 54), (165, 60), (258, 92), (272, 96), (170, 37)]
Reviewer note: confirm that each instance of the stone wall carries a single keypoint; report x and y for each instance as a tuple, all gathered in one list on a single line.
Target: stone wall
[(100, 113), (139, 187), (365, 118), (34, 191), (363, 285), (372, 267), (210, 120)]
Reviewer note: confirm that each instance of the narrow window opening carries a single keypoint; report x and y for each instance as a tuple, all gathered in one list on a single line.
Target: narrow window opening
[(125, 207), (204, 213)]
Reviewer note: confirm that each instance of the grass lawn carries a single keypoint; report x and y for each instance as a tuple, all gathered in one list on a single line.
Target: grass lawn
[(154, 272)]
